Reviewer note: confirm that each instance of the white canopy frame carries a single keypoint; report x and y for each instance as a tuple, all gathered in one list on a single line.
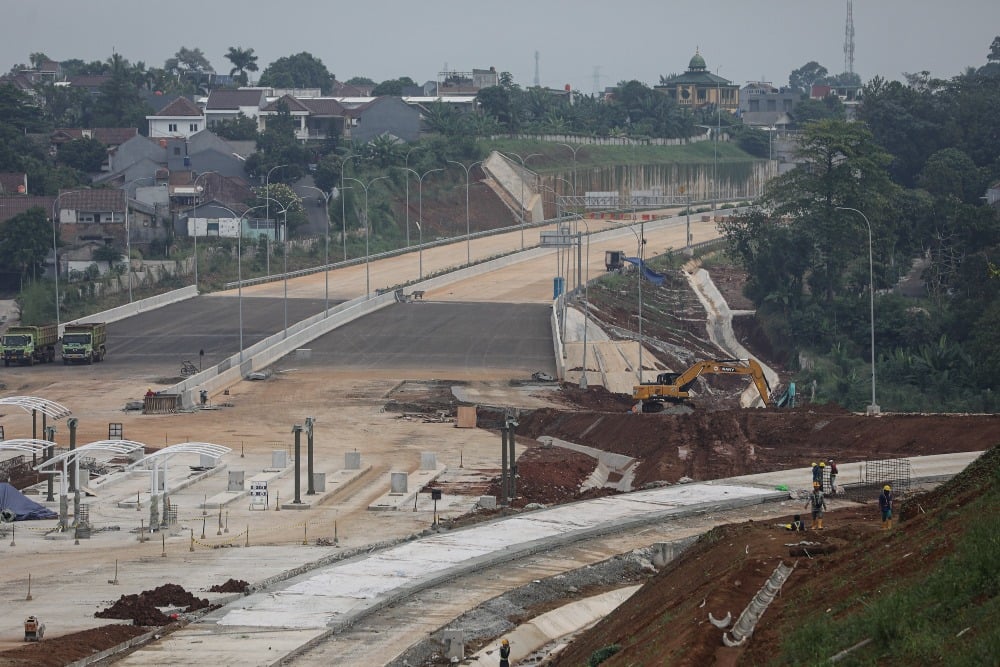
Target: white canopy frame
[(206, 448), (118, 447), (43, 405)]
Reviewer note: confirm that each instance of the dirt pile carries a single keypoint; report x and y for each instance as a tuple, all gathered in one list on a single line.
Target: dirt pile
[(69, 648), (143, 609), (231, 586)]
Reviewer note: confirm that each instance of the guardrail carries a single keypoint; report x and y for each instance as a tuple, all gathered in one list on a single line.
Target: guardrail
[(137, 307)]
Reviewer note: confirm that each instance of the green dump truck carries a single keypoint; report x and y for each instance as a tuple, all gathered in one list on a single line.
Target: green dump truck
[(28, 344), (84, 342)]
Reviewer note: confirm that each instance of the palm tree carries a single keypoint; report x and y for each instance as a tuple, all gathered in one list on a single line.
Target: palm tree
[(243, 61)]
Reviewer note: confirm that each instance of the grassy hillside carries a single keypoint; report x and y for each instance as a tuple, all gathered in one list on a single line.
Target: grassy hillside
[(924, 593)]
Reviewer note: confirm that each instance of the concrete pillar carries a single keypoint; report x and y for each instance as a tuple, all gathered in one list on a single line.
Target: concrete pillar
[(279, 459), (663, 553), (50, 451), (310, 491), (513, 463), (154, 510), (503, 464), (63, 511), (352, 460), (297, 431), (454, 641), (428, 461), (397, 482), (72, 423), (236, 480)]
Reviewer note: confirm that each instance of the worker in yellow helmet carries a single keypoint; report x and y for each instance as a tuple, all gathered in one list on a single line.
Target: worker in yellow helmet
[(818, 503), (505, 653), (885, 504)]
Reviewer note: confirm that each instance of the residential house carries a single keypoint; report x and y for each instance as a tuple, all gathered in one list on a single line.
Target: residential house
[(698, 87), (764, 105), (357, 119), (316, 117), (180, 118), (451, 83), (341, 89), (993, 195), (228, 104), (92, 83), (384, 115), (91, 215), (850, 96)]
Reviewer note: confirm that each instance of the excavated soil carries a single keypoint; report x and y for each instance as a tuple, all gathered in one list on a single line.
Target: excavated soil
[(144, 608), (69, 648)]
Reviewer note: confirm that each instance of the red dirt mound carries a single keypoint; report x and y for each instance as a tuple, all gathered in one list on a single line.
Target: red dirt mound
[(143, 609)]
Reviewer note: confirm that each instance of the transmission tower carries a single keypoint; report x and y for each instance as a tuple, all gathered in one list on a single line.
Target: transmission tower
[(849, 39), (538, 81)]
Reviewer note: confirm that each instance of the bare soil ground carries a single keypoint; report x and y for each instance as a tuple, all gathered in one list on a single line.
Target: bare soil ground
[(716, 440)]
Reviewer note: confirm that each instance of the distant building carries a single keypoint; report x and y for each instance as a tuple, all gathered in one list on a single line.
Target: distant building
[(180, 118), (698, 87)]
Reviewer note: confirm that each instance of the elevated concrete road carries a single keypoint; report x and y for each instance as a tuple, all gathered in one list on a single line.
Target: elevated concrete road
[(442, 336)]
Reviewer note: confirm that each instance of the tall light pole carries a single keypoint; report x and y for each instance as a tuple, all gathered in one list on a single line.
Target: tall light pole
[(873, 409), (284, 250), (128, 234), (267, 188), (574, 149), (468, 231), (640, 239), (406, 166), (239, 264), (343, 203), (420, 214), (326, 252), (586, 307), (195, 216), (368, 256), (55, 247), (523, 161)]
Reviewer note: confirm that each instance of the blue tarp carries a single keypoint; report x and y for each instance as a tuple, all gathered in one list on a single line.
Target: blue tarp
[(650, 275), (23, 508)]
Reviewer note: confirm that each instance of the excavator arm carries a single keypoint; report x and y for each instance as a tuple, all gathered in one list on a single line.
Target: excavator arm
[(673, 387)]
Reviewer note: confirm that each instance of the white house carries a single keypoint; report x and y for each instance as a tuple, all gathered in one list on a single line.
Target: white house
[(180, 118)]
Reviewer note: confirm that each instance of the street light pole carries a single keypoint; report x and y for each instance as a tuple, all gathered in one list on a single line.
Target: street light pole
[(55, 246), (195, 216), (574, 149), (523, 160), (343, 203), (326, 250), (128, 234), (239, 265), (586, 307), (468, 231), (406, 165), (368, 256), (873, 409), (420, 214)]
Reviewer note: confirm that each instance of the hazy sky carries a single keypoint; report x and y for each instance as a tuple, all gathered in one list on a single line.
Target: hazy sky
[(742, 40)]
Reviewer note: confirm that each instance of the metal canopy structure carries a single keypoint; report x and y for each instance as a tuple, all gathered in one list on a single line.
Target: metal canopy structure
[(121, 447), (29, 445), (163, 455), (43, 405)]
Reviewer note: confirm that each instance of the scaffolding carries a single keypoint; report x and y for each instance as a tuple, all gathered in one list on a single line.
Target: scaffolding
[(874, 474)]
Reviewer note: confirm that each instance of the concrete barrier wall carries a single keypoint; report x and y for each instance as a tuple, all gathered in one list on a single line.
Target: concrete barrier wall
[(136, 307)]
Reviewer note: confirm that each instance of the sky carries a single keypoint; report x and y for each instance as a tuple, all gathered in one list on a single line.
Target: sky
[(588, 44)]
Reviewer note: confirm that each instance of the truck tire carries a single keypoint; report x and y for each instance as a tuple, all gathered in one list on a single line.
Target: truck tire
[(90, 360), (65, 361)]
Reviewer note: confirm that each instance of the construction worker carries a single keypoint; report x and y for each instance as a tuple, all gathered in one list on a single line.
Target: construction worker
[(833, 476), (822, 471), (505, 653), (797, 524), (885, 504), (818, 503), (817, 474)]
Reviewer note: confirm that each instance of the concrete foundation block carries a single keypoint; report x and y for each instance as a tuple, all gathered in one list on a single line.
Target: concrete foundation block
[(454, 642), (319, 482), (397, 482), (352, 461), (487, 502), (279, 458), (236, 480), (428, 461)]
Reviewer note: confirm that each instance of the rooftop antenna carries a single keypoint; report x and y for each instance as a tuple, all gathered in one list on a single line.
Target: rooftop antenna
[(538, 81), (849, 39)]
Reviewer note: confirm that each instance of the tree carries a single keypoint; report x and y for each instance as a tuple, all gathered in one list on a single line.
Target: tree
[(243, 61), (952, 173), (360, 81), (393, 87), (187, 61), (286, 198), (119, 104), (810, 111), (87, 154), (241, 128), (302, 70), (803, 78), (277, 145), (25, 241)]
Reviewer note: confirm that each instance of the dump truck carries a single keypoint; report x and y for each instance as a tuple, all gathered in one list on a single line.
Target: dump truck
[(34, 629), (673, 387), (84, 342), (28, 344)]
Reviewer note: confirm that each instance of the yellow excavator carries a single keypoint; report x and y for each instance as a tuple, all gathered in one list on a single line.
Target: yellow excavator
[(673, 387)]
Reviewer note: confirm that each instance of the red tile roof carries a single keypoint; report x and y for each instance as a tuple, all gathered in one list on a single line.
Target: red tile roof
[(182, 106), (93, 200), (17, 204)]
